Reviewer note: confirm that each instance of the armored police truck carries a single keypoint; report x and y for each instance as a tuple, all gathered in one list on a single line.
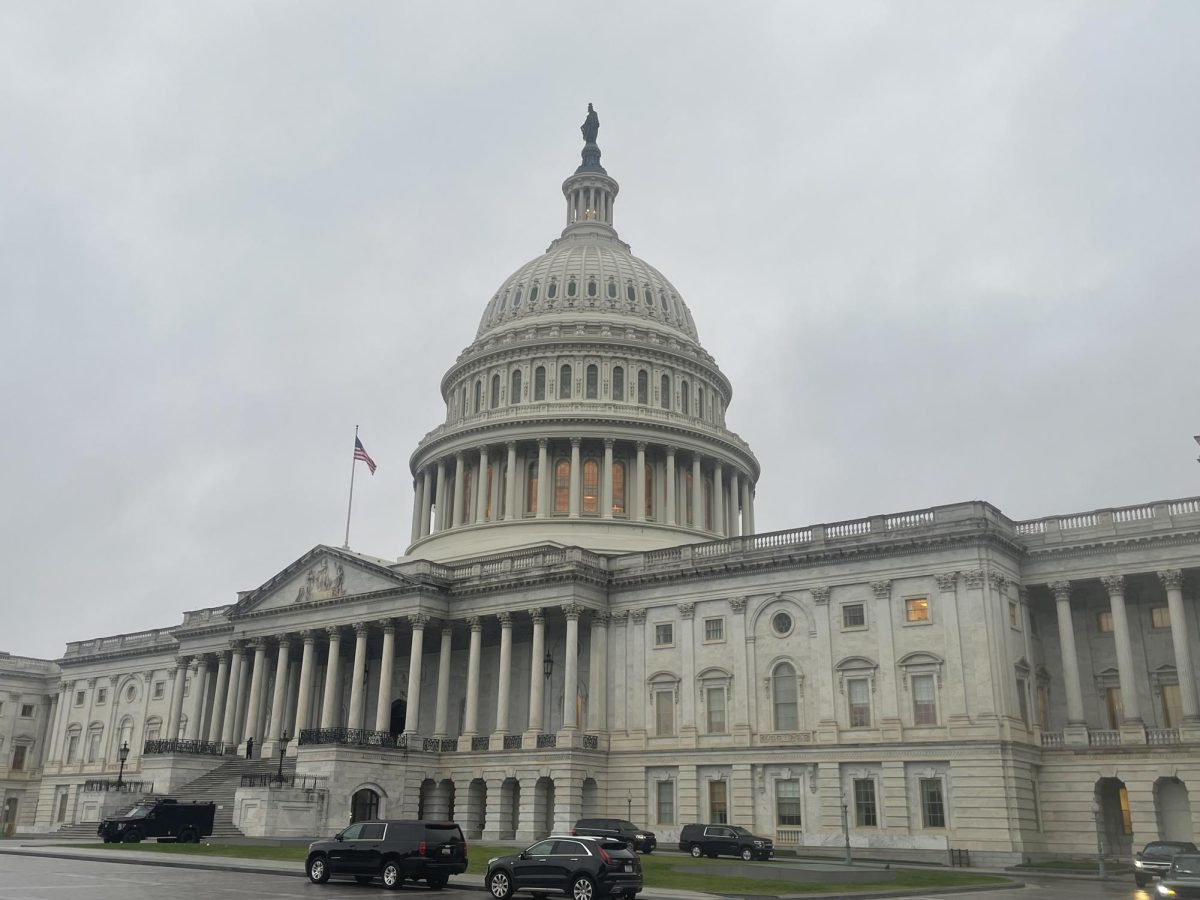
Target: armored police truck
[(167, 820)]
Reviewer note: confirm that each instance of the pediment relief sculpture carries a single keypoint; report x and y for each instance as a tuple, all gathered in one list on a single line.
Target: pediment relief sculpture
[(322, 583)]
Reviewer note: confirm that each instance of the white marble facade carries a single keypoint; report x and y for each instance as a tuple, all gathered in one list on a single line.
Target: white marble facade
[(587, 622)]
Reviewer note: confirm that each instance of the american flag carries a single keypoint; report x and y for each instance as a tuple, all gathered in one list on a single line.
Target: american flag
[(360, 452)]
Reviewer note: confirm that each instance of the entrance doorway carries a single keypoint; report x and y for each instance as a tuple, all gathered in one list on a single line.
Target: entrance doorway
[(1174, 809), (1115, 822), (399, 717), (364, 805)]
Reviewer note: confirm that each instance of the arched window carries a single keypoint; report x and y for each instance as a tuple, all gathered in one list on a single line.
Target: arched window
[(783, 697), (618, 383), (630, 293), (708, 504), (648, 297), (648, 474), (571, 287), (591, 288), (364, 805), (514, 388), (591, 486), (700, 411), (612, 289), (683, 397), (517, 298), (531, 489), (463, 414), (153, 730), (564, 383), (618, 488), (125, 734), (562, 486), (643, 387), (592, 383), (665, 399), (662, 303), (533, 292), (688, 505), (478, 395), (552, 288), (539, 383), (468, 493), (495, 397)]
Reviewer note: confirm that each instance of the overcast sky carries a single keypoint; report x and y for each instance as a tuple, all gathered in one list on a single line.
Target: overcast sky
[(944, 251)]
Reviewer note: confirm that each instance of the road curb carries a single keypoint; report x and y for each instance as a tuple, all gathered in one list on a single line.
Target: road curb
[(203, 865)]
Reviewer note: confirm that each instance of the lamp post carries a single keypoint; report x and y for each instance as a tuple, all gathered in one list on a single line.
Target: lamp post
[(123, 754), (1097, 811), (629, 805), (846, 828), (283, 742), (548, 670)]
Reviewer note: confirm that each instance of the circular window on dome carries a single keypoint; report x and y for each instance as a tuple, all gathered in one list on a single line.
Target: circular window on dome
[(781, 624), (130, 693)]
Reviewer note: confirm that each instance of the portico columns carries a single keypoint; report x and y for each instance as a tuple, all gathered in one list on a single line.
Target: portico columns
[(606, 475), (537, 650), (307, 671), (257, 683), (735, 524), (383, 706), (597, 718), (357, 688), (718, 500), (510, 483), (440, 501), (697, 494), (1115, 585), (505, 679), (412, 709), (333, 699), (175, 710), (1066, 647), (670, 512), (576, 480), (426, 501), (471, 713), (1172, 580), (199, 691), (218, 706), (639, 476), (544, 489), (457, 514), (58, 726), (228, 727), (279, 695), (571, 667), (481, 488), (442, 710)]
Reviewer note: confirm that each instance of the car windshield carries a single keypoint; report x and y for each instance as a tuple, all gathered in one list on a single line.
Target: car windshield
[(742, 832), (1167, 850), (137, 812), (626, 826), (1187, 864)]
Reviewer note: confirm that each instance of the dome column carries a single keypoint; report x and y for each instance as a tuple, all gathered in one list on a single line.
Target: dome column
[(426, 501), (606, 492), (747, 507), (510, 483), (718, 499), (576, 479), (440, 502), (456, 518), (697, 493), (481, 488), (639, 499), (670, 511), (735, 528), (418, 503), (543, 492)]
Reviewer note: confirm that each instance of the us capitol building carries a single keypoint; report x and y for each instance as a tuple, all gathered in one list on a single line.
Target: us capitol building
[(587, 622)]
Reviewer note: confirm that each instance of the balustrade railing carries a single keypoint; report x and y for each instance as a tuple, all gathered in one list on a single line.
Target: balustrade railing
[(1162, 735), (298, 782), (1104, 738), (354, 737), (440, 745), (123, 786), (788, 837), (194, 748), (1052, 739)]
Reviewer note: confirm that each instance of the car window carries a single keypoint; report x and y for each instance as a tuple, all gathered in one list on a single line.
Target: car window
[(741, 832), (372, 832), (443, 834), (352, 833), (1187, 864), (626, 826), (541, 848), (569, 848)]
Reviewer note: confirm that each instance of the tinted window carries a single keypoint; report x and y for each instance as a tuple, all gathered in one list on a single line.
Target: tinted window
[(569, 848), (542, 848), (371, 833), (1187, 864), (626, 826), (351, 833), (742, 832), (443, 834)]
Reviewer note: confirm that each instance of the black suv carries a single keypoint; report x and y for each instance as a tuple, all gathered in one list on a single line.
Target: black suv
[(165, 819), (584, 868), (619, 829), (392, 851), (1155, 858), (724, 840)]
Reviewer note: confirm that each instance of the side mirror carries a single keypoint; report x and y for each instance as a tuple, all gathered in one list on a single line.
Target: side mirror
[(338, 836), (524, 854), (1138, 855)]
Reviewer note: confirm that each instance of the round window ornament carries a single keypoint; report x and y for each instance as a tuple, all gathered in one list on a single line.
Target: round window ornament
[(781, 624), (130, 693)]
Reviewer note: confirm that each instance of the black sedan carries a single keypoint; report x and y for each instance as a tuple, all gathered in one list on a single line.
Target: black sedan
[(583, 868), (1182, 881)]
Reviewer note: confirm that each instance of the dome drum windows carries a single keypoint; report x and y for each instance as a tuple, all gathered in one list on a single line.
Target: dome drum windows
[(643, 387), (665, 392), (494, 397), (564, 382), (539, 383), (618, 383), (514, 389), (591, 382)]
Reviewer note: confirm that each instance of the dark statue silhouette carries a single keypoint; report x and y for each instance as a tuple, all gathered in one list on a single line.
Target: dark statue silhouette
[(591, 126)]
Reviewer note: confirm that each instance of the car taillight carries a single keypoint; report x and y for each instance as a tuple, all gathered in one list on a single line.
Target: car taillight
[(574, 832), (421, 849), (604, 855)]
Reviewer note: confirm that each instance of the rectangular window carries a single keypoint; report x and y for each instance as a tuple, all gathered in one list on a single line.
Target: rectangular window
[(158, 690), (1114, 707), (858, 693), (1014, 615), (664, 634), (714, 703), (854, 615), (916, 609), (1043, 703), (72, 749), (924, 700), (18, 761), (101, 696), (664, 793), (933, 804), (714, 629), (1160, 616), (1104, 622), (787, 803), (664, 713), (1171, 706), (1023, 700), (93, 747), (865, 813), (718, 803), (27, 710), (79, 698)]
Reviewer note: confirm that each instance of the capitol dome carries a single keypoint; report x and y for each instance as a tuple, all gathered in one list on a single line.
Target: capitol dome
[(585, 412)]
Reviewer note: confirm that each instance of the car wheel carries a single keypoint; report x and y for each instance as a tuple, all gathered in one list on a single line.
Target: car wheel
[(189, 836), (583, 888), (500, 885), (132, 836), (696, 851), (318, 870), (747, 854), (390, 875)]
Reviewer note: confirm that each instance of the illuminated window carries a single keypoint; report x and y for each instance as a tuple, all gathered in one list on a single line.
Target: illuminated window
[(1160, 616), (618, 488), (591, 383), (591, 486), (514, 388), (1104, 622), (618, 383), (539, 383), (531, 489), (562, 486), (916, 609), (564, 383)]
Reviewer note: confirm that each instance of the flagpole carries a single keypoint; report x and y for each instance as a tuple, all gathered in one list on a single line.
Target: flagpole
[(350, 505)]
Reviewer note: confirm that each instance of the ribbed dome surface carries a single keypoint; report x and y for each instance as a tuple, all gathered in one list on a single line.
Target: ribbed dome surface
[(604, 275)]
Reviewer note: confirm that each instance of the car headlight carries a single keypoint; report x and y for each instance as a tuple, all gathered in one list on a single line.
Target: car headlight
[(1138, 864), (1163, 891), (758, 843), (120, 825), (642, 837)]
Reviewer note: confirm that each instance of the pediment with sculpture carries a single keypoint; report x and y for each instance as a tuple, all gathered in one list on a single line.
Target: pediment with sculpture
[(321, 575)]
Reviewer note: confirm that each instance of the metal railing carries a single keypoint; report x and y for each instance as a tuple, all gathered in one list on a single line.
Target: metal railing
[(299, 782), (547, 740), (354, 737), (481, 743), (194, 748), (591, 742), (124, 787), (440, 745), (512, 742)]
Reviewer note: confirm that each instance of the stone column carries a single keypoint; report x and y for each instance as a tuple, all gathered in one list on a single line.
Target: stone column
[(510, 483), (669, 518), (545, 489), (307, 671), (243, 696), (481, 488), (331, 705), (1066, 648), (697, 493), (639, 478), (279, 695), (199, 690), (290, 697), (175, 710), (1115, 585), (440, 498), (457, 517), (718, 500), (418, 502), (257, 681), (426, 501), (418, 621), (597, 718), (1172, 580), (231, 698), (217, 719), (61, 715), (471, 713), (606, 481), (504, 680), (576, 488), (357, 688), (442, 710), (387, 661), (571, 667), (735, 522), (536, 686), (747, 506)]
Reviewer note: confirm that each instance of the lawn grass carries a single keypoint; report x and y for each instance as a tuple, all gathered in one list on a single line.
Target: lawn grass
[(657, 868)]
